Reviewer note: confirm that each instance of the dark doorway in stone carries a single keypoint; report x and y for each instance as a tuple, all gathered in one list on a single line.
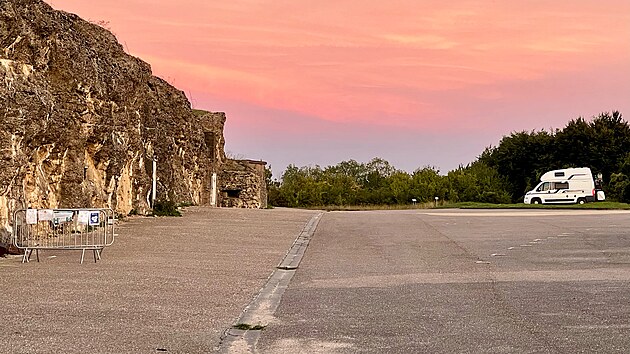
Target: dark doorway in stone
[(232, 193)]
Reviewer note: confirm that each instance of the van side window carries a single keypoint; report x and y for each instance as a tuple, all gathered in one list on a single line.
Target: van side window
[(559, 174), (562, 185), (544, 187)]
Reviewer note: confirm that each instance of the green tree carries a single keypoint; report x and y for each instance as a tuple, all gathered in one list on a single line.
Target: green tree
[(611, 143), (477, 182), (426, 184), (500, 174), (573, 145), (400, 187), (274, 196), (339, 189), (521, 159), (301, 186)]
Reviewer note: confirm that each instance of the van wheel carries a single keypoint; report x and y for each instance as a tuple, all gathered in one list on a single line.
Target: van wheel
[(581, 201), (535, 201)]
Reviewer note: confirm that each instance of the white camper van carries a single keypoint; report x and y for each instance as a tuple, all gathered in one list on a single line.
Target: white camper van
[(569, 185)]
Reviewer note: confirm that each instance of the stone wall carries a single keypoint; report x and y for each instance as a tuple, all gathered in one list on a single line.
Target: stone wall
[(242, 184)]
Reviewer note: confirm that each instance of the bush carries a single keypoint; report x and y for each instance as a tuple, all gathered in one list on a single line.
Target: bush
[(500, 197), (618, 188), (165, 208)]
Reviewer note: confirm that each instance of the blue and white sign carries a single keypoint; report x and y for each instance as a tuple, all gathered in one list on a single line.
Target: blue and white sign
[(94, 218)]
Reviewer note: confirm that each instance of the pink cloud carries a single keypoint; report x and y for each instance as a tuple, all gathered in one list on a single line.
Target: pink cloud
[(458, 66)]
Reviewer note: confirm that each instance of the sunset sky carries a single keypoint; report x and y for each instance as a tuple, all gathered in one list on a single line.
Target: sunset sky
[(416, 82)]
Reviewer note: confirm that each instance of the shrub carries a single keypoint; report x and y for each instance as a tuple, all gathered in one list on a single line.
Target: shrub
[(165, 208)]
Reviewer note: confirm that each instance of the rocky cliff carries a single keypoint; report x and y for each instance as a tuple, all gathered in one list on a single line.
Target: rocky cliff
[(81, 120)]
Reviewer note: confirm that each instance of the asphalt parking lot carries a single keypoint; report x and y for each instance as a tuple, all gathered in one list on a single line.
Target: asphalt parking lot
[(423, 281), (459, 282), (166, 284)]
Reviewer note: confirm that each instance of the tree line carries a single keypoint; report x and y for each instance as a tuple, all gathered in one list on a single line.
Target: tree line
[(501, 174)]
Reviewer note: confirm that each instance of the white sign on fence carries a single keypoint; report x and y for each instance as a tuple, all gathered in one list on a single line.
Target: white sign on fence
[(61, 216), (31, 216), (45, 214), (84, 217)]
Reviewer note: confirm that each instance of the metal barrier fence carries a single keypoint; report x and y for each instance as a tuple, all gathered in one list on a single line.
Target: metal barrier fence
[(63, 229)]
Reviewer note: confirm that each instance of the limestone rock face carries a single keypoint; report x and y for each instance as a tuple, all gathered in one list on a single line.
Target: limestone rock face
[(81, 120)]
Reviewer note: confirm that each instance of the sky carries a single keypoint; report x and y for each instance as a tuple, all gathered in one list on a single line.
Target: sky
[(415, 82)]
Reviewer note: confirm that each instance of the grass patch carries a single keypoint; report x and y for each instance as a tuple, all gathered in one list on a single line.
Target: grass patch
[(474, 205), (248, 327), (588, 206), (374, 207), (199, 112)]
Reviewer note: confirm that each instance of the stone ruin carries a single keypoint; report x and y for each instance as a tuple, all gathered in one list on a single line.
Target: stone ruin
[(237, 183), (82, 121), (242, 184)]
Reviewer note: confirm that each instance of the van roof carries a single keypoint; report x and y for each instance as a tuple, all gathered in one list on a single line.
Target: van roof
[(567, 174)]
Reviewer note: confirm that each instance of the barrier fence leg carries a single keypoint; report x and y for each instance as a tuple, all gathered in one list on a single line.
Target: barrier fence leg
[(26, 258), (82, 255)]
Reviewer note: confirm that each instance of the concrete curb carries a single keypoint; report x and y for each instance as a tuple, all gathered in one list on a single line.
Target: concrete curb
[(260, 311)]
